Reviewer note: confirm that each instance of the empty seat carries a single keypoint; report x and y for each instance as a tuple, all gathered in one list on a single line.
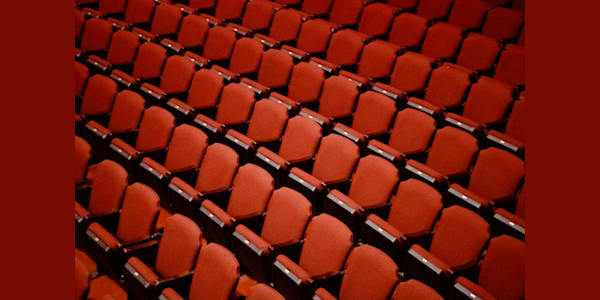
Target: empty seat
[(408, 30), (513, 137), (215, 276), (219, 43), (503, 23), (96, 35), (306, 83), (286, 217), (316, 7), (338, 97), (262, 291), (235, 105), (251, 189), (175, 79), (411, 72), (111, 6), (275, 68), (193, 31), (478, 52), (502, 274), (442, 41), (458, 240), (449, 157), (136, 224), (372, 186), (125, 115), (148, 65), (369, 274), (413, 212), (81, 75), (166, 19), (121, 52), (229, 9), (447, 88), (286, 25), (376, 19), (487, 104), (495, 178), (152, 139), (139, 11), (434, 9), (511, 66), (415, 290), (374, 114), (327, 242), (205, 89), (246, 56), (345, 12), (215, 175), (314, 36), (181, 238), (98, 97), (345, 47), (377, 59), (468, 14), (83, 153), (334, 163), (258, 14)]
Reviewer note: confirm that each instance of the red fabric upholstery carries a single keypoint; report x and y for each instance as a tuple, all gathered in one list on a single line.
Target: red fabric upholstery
[(478, 52), (83, 153), (143, 270), (373, 182), (236, 104), (316, 7), (306, 82), (468, 13), (300, 140), (415, 207), (452, 151), (408, 30), (139, 213), (258, 14), (178, 247), (414, 289), (286, 25), (252, 237), (370, 274), (177, 74), (488, 101), (374, 113), (336, 159), (511, 66), (123, 46), (205, 89), (275, 68), (345, 47), (267, 121), (412, 131), (246, 55), (229, 9), (155, 129), (287, 215), (98, 96), (503, 268), (497, 174), (262, 291), (127, 112), (96, 35), (345, 12), (217, 271), (314, 36), (217, 169), (149, 61), (338, 97), (139, 11), (193, 31), (442, 40), (166, 19), (503, 23), (376, 19), (219, 42), (377, 59), (186, 148), (447, 86), (252, 187), (434, 8), (105, 236), (108, 188)]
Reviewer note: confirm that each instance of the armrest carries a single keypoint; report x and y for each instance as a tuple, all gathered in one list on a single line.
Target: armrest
[(92, 12), (97, 129), (210, 19), (217, 223), (326, 66), (267, 41), (180, 284), (466, 198), (200, 61), (99, 63), (323, 294), (273, 163), (239, 29), (252, 251), (243, 145), (290, 279), (81, 213), (153, 91), (104, 239), (295, 52), (180, 107), (344, 208), (425, 173), (157, 170), (225, 73), (360, 81), (505, 141), (118, 24), (387, 152), (398, 95), (319, 118), (256, 87), (144, 35), (124, 78), (169, 294), (466, 289), (208, 125), (424, 106), (139, 270), (311, 187), (290, 104), (462, 122), (124, 149), (357, 137), (424, 266), (171, 44), (505, 222), (383, 235)]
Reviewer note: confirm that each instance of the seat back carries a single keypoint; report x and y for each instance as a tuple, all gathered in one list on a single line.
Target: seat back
[(442, 41), (81, 75), (314, 36), (246, 56), (217, 169), (155, 129), (288, 213), (377, 59), (306, 82), (511, 66), (96, 35), (503, 23), (186, 148), (178, 247), (216, 274), (447, 86), (275, 68), (267, 121), (235, 105), (374, 113), (166, 19), (338, 97), (108, 188), (316, 7), (376, 19), (205, 89), (452, 151), (252, 187), (99, 95), (408, 30), (139, 11), (516, 122), (497, 174), (373, 182), (111, 6), (177, 74), (345, 12), (127, 112), (335, 159), (434, 8), (286, 25), (229, 9), (83, 153), (138, 214), (415, 207), (411, 72), (414, 289), (219, 43), (258, 14), (488, 101), (149, 61), (478, 52), (193, 31), (345, 47), (123, 46), (412, 131), (300, 139), (468, 13), (503, 268)]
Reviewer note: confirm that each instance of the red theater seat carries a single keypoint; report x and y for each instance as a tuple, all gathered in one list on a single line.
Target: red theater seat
[(414, 289), (376, 19), (345, 12), (229, 9), (503, 23), (442, 41), (511, 66), (148, 65), (377, 60), (468, 14), (316, 7), (478, 52), (434, 9)]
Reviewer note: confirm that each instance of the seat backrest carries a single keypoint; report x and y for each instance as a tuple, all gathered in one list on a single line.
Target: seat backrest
[(123, 46), (306, 82), (459, 236), (181, 239), (434, 8), (83, 153), (229, 9), (108, 188), (111, 6), (246, 55), (286, 25), (370, 274), (186, 148), (511, 66), (267, 121), (377, 59), (139, 11), (275, 68), (217, 169), (468, 13), (414, 289), (373, 182), (96, 35), (99, 95), (177, 74), (149, 61), (300, 139), (447, 86), (193, 31), (138, 214), (155, 129), (127, 112), (205, 89), (503, 268), (415, 207), (516, 122), (314, 36), (338, 97), (81, 75), (316, 7), (412, 131), (497, 174), (408, 30), (374, 113), (288, 213), (503, 23), (219, 43), (345, 47), (216, 274), (376, 19), (252, 187), (488, 100), (478, 52), (258, 14), (452, 151), (411, 72), (335, 159), (166, 19), (82, 281), (262, 291), (345, 12), (442, 41), (235, 105), (327, 242)]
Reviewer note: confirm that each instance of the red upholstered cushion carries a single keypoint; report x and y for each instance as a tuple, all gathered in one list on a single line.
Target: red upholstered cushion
[(177, 74), (108, 188), (139, 11), (126, 112), (267, 121), (286, 25), (149, 61), (138, 214), (300, 140), (98, 96), (155, 129), (251, 189), (478, 52), (262, 291), (336, 159), (178, 247), (447, 86), (275, 68), (345, 12), (106, 237), (217, 271), (287, 215), (205, 89), (497, 174), (217, 169), (370, 274), (219, 43), (345, 47), (338, 97), (488, 100), (414, 289), (193, 31), (82, 156), (246, 56), (377, 59), (373, 182), (186, 148), (468, 13), (122, 47), (376, 19), (412, 131), (306, 82), (166, 19), (258, 14), (143, 270), (314, 36), (411, 72), (503, 268), (408, 30), (415, 207), (374, 113), (236, 104), (452, 151), (442, 40), (96, 35)]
